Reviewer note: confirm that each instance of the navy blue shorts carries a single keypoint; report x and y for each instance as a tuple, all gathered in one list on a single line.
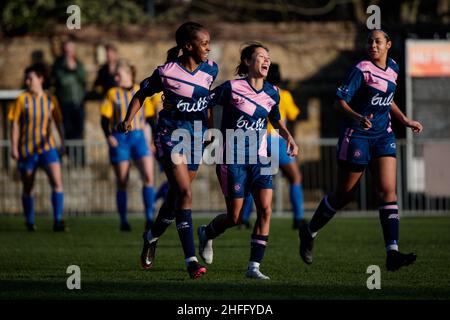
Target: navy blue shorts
[(357, 152), (180, 136), (239, 180), (133, 144), (31, 162), (282, 155)]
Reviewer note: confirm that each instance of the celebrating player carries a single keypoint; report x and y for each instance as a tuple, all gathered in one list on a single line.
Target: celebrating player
[(33, 145), (367, 99), (134, 144), (288, 165), (247, 102), (186, 81)]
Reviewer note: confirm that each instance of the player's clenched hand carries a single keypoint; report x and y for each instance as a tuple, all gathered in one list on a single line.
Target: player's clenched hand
[(112, 141), (15, 153), (62, 149), (365, 122), (123, 127), (415, 126)]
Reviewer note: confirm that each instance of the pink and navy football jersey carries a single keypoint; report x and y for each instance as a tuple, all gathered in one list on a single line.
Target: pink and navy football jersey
[(370, 89), (247, 109), (187, 93)]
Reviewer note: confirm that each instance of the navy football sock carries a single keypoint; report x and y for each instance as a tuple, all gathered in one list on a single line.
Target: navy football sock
[(390, 224), (323, 214), (185, 231), (258, 245), (165, 217), (217, 226), (121, 197)]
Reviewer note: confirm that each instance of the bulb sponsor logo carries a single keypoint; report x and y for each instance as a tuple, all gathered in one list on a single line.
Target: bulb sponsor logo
[(200, 105), (382, 102), (245, 124)]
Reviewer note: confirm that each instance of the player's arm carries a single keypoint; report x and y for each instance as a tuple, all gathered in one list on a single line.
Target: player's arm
[(148, 88), (209, 137), (150, 114), (150, 133), (14, 118), (106, 113), (60, 129), (415, 126), (292, 147), (15, 140), (106, 127), (58, 118), (135, 104), (345, 93), (364, 121)]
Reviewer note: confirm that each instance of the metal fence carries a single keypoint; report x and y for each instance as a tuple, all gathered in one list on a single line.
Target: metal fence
[(89, 183)]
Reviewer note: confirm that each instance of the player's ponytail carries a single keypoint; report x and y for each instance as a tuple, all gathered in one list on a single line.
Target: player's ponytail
[(246, 54), (172, 54), (184, 34)]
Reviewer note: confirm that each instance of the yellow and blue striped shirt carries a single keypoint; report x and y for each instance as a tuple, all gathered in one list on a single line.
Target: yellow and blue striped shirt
[(34, 114), (115, 106), (288, 109)]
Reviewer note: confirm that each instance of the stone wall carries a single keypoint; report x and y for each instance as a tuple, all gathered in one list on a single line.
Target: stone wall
[(305, 52)]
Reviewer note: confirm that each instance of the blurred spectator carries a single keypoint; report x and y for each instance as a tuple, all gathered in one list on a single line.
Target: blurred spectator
[(69, 78), (106, 74)]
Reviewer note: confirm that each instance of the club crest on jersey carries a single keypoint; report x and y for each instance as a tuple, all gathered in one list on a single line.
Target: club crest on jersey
[(382, 102), (357, 154), (237, 101), (200, 105), (237, 187)]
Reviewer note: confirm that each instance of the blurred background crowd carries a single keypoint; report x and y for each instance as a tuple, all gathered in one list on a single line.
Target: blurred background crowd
[(314, 42)]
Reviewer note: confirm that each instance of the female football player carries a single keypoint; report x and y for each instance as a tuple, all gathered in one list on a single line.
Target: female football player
[(185, 80), (290, 111), (367, 139), (247, 103), (133, 145), (33, 145)]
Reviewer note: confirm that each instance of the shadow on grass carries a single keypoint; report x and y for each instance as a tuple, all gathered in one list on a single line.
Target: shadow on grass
[(183, 288)]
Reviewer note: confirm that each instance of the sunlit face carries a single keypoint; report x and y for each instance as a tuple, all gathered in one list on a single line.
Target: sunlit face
[(378, 45), (259, 63), (33, 81), (123, 77), (199, 47)]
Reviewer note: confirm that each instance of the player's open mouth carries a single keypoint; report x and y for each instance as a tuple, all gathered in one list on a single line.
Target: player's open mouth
[(265, 68)]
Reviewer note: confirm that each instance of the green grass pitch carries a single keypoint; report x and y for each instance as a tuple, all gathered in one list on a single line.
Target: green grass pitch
[(33, 265)]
